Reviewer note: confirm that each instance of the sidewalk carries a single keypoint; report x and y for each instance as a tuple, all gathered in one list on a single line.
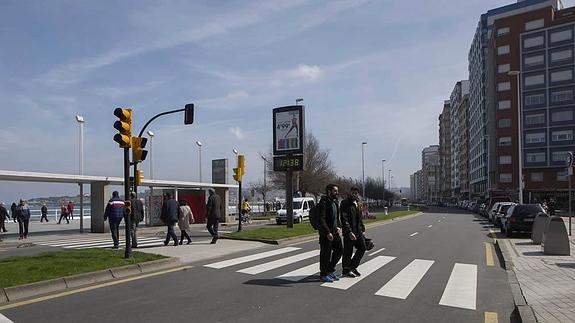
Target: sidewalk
[(547, 282)]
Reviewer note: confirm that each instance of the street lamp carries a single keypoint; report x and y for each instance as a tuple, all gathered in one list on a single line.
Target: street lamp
[(383, 178), (151, 134), (265, 184), (200, 158), (80, 120), (520, 157), (363, 170)]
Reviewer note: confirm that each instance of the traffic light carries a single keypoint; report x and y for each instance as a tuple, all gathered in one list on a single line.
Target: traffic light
[(139, 177), (128, 207), (238, 174), (189, 114), (138, 152), (241, 170), (124, 126)]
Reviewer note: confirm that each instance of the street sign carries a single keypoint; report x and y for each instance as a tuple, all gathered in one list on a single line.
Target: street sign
[(285, 163), (288, 132)]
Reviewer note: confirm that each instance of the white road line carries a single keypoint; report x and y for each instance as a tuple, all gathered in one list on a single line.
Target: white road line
[(106, 240), (373, 253), (241, 260), (301, 273), (105, 243), (429, 226), (73, 240), (461, 289), (4, 319), (365, 269), (402, 284), (278, 263), (414, 234)]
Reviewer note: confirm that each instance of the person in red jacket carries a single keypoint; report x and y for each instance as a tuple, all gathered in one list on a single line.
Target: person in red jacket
[(71, 209)]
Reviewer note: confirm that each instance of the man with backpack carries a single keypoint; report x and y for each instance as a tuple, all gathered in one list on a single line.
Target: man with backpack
[(136, 217), (114, 213), (353, 230), (328, 226)]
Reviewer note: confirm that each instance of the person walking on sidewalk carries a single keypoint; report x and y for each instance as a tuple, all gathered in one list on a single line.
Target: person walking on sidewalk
[(136, 217), (12, 210), (353, 229), (3, 216), (44, 211), (329, 238), (213, 209), (71, 210), (114, 213), (63, 214), (169, 215), (184, 218), (23, 215)]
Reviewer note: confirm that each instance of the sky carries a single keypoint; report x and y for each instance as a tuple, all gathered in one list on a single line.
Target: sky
[(368, 71)]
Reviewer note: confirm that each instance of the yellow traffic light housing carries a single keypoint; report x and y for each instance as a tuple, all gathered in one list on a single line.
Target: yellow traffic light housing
[(238, 174), (128, 207), (241, 169), (124, 127), (138, 152), (139, 177)]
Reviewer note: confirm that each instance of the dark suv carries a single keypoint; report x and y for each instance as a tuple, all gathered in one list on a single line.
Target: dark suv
[(520, 217)]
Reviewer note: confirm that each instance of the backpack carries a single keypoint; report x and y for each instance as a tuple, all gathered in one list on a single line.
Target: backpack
[(314, 214)]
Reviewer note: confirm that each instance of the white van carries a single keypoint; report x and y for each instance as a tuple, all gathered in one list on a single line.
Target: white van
[(301, 206)]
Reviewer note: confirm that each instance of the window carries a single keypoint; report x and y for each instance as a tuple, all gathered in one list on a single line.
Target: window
[(504, 160), (504, 86), (558, 156), (505, 177), (503, 68), (561, 116), (502, 31), (504, 123), (534, 24), (532, 80), (505, 104), (533, 41), (560, 76), (501, 50), (562, 35), (537, 177), (534, 60), (561, 95), (561, 55), (562, 176), (535, 138), (535, 99), (538, 157), (505, 141), (532, 119), (562, 135)]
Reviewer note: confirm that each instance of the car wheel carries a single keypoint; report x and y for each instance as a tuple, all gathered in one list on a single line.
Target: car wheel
[(300, 219)]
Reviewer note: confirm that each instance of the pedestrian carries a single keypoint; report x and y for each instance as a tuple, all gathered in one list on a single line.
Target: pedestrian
[(329, 239), (169, 215), (23, 216), (353, 233), (3, 216), (213, 209), (12, 209), (63, 214), (71, 210), (44, 211), (136, 217), (246, 209), (184, 217), (114, 213)]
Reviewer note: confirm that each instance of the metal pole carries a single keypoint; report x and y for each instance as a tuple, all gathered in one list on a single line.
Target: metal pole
[(362, 172), (265, 184), (82, 173), (200, 148), (151, 157), (289, 198), (383, 179), (128, 251), (240, 207), (520, 157), (570, 215)]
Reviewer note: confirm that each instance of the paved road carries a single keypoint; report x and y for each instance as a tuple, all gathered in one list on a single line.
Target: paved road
[(433, 269)]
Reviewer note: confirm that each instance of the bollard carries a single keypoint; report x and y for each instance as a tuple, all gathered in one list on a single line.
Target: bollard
[(385, 210), (555, 239), (539, 227)]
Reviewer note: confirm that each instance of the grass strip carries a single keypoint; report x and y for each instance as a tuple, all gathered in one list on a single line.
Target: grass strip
[(276, 232), (19, 270)]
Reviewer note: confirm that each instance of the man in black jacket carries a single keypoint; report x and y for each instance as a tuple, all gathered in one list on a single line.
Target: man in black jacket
[(213, 209), (329, 238), (353, 229), (169, 215), (136, 217)]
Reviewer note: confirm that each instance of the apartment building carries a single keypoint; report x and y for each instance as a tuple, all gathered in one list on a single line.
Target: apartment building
[(445, 152)]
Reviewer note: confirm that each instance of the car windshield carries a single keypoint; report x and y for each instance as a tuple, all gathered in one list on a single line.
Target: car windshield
[(296, 206), (530, 209), (504, 208)]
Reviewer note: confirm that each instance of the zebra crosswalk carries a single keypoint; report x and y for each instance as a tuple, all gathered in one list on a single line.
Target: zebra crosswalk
[(97, 242), (460, 289)]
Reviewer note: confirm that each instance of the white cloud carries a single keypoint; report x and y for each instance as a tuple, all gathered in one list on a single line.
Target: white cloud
[(237, 132)]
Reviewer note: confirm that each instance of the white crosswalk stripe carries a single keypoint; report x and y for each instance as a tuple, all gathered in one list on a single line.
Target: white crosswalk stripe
[(279, 263), (98, 243), (461, 289), (365, 269), (241, 260), (405, 281), (302, 273)]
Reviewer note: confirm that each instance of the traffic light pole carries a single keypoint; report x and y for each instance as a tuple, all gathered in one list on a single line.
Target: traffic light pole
[(128, 251), (289, 198), (240, 208)]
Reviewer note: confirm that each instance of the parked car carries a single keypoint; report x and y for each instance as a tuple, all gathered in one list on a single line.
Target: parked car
[(501, 212), (520, 217), (491, 214), (301, 206)]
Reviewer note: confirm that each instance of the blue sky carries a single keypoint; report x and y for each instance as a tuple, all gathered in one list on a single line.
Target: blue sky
[(375, 71)]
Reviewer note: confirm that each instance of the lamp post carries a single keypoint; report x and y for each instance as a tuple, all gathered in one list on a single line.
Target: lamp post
[(265, 183), (151, 134), (383, 179), (80, 120), (363, 170), (297, 101), (519, 141), (200, 158), (238, 205)]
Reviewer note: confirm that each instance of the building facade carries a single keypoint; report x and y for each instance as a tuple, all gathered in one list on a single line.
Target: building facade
[(430, 166), (445, 152), (459, 107)]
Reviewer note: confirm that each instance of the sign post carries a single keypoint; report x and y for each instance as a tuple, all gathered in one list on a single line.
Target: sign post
[(288, 133), (569, 164)]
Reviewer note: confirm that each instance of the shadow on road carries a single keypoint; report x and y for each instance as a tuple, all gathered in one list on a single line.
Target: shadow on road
[(280, 282)]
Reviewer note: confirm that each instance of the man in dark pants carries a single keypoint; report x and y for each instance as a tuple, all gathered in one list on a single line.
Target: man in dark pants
[(329, 239), (44, 211), (136, 217), (3, 216), (353, 229), (169, 215), (213, 209), (114, 213)]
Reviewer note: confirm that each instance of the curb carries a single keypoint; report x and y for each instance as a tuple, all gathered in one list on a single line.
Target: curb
[(16, 293), (313, 236), (523, 312)]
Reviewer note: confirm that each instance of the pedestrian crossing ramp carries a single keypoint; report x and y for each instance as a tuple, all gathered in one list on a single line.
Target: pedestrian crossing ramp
[(98, 242), (459, 291)]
